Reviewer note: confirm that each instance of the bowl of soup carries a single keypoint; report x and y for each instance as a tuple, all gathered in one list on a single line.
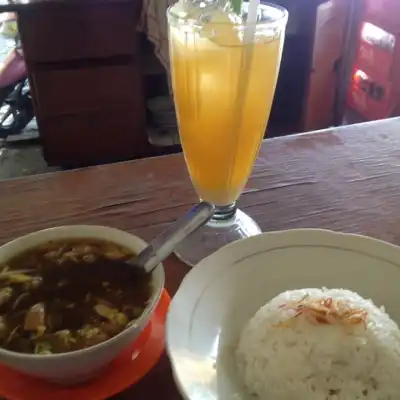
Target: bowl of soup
[(67, 306)]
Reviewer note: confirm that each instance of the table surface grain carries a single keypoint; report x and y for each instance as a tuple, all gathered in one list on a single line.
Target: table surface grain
[(345, 179)]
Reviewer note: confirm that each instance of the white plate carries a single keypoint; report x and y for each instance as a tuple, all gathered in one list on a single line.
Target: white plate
[(223, 292)]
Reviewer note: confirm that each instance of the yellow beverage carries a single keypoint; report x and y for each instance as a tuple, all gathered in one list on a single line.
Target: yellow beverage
[(223, 92)]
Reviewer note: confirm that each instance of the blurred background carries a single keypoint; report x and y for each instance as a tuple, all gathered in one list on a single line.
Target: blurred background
[(87, 82)]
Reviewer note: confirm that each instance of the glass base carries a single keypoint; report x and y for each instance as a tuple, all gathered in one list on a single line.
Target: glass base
[(214, 235)]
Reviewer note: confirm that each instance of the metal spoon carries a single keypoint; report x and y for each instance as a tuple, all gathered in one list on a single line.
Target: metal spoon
[(165, 243)]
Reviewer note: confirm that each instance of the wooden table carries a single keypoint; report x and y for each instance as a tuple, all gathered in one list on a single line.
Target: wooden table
[(345, 179)]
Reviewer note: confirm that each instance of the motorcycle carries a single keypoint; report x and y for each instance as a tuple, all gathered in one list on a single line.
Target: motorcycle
[(16, 108)]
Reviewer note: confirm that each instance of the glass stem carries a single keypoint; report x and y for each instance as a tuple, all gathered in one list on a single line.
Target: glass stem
[(224, 213)]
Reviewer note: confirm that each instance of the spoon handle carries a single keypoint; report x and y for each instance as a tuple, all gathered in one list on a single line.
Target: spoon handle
[(165, 243)]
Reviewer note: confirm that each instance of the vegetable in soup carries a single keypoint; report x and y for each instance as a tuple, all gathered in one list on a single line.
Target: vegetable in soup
[(64, 296)]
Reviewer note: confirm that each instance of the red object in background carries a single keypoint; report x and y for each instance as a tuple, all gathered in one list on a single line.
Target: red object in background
[(369, 97), (375, 85)]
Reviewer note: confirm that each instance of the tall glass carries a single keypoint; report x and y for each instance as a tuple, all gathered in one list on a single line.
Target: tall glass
[(224, 74)]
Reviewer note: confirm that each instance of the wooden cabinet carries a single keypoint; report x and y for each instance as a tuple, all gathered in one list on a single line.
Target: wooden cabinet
[(103, 135), (97, 88), (59, 32), (85, 72)]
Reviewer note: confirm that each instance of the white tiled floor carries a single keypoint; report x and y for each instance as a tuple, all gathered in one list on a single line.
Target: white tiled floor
[(15, 163), (20, 158)]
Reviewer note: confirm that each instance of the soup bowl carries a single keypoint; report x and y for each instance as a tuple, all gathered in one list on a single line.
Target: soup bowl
[(80, 365)]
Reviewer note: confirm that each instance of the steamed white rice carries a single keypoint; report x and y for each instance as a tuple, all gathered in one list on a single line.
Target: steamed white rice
[(287, 354)]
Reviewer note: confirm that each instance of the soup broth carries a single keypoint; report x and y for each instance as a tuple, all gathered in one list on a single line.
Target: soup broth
[(63, 296)]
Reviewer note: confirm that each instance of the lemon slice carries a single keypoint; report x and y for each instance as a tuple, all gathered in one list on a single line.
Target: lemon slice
[(218, 25), (221, 28)]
